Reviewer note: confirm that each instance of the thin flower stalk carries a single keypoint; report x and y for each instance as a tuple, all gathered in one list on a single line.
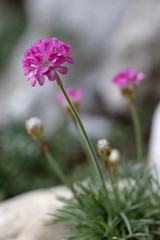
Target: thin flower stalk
[(128, 82), (55, 166), (75, 96), (137, 131), (84, 146), (87, 141)]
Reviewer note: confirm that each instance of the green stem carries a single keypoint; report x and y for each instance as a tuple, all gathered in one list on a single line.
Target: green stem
[(82, 141), (87, 141), (55, 166), (137, 131)]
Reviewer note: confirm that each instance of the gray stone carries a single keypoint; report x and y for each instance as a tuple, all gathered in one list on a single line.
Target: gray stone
[(24, 217), (106, 37), (134, 44), (96, 126), (79, 19)]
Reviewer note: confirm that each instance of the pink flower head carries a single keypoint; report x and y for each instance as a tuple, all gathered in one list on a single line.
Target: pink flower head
[(128, 78), (44, 58), (75, 96)]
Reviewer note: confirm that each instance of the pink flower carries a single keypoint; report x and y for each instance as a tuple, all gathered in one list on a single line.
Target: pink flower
[(44, 58), (128, 78), (75, 96)]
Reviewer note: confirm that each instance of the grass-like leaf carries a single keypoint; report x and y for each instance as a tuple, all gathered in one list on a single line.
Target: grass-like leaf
[(135, 209)]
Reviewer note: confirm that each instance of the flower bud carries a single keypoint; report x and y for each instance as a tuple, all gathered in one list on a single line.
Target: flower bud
[(103, 148), (34, 128), (114, 157)]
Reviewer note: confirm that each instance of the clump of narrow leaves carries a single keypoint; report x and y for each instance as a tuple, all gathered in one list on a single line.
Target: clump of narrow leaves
[(132, 210)]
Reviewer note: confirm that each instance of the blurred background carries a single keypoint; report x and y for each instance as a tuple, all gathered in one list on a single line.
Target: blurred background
[(106, 36)]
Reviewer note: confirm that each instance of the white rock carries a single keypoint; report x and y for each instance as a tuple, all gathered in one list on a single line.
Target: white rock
[(154, 144), (24, 217)]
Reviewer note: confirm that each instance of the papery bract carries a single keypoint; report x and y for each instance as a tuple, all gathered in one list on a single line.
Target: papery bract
[(44, 58), (75, 96), (34, 128), (103, 148), (114, 157), (128, 77)]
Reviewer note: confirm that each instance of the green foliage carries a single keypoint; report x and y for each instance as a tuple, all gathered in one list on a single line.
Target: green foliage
[(23, 166), (133, 213)]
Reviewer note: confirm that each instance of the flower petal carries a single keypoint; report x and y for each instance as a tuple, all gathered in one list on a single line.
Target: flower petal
[(40, 79), (33, 82), (62, 69), (30, 75), (51, 75), (140, 76), (69, 60)]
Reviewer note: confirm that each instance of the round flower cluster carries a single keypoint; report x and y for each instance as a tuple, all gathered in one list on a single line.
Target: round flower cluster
[(128, 77), (128, 81), (44, 58)]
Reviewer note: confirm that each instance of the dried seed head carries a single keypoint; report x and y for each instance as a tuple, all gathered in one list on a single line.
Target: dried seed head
[(34, 128), (115, 157), (103, 148)]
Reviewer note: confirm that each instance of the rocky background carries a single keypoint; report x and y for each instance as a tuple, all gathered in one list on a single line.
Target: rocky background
[(106, 36)]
